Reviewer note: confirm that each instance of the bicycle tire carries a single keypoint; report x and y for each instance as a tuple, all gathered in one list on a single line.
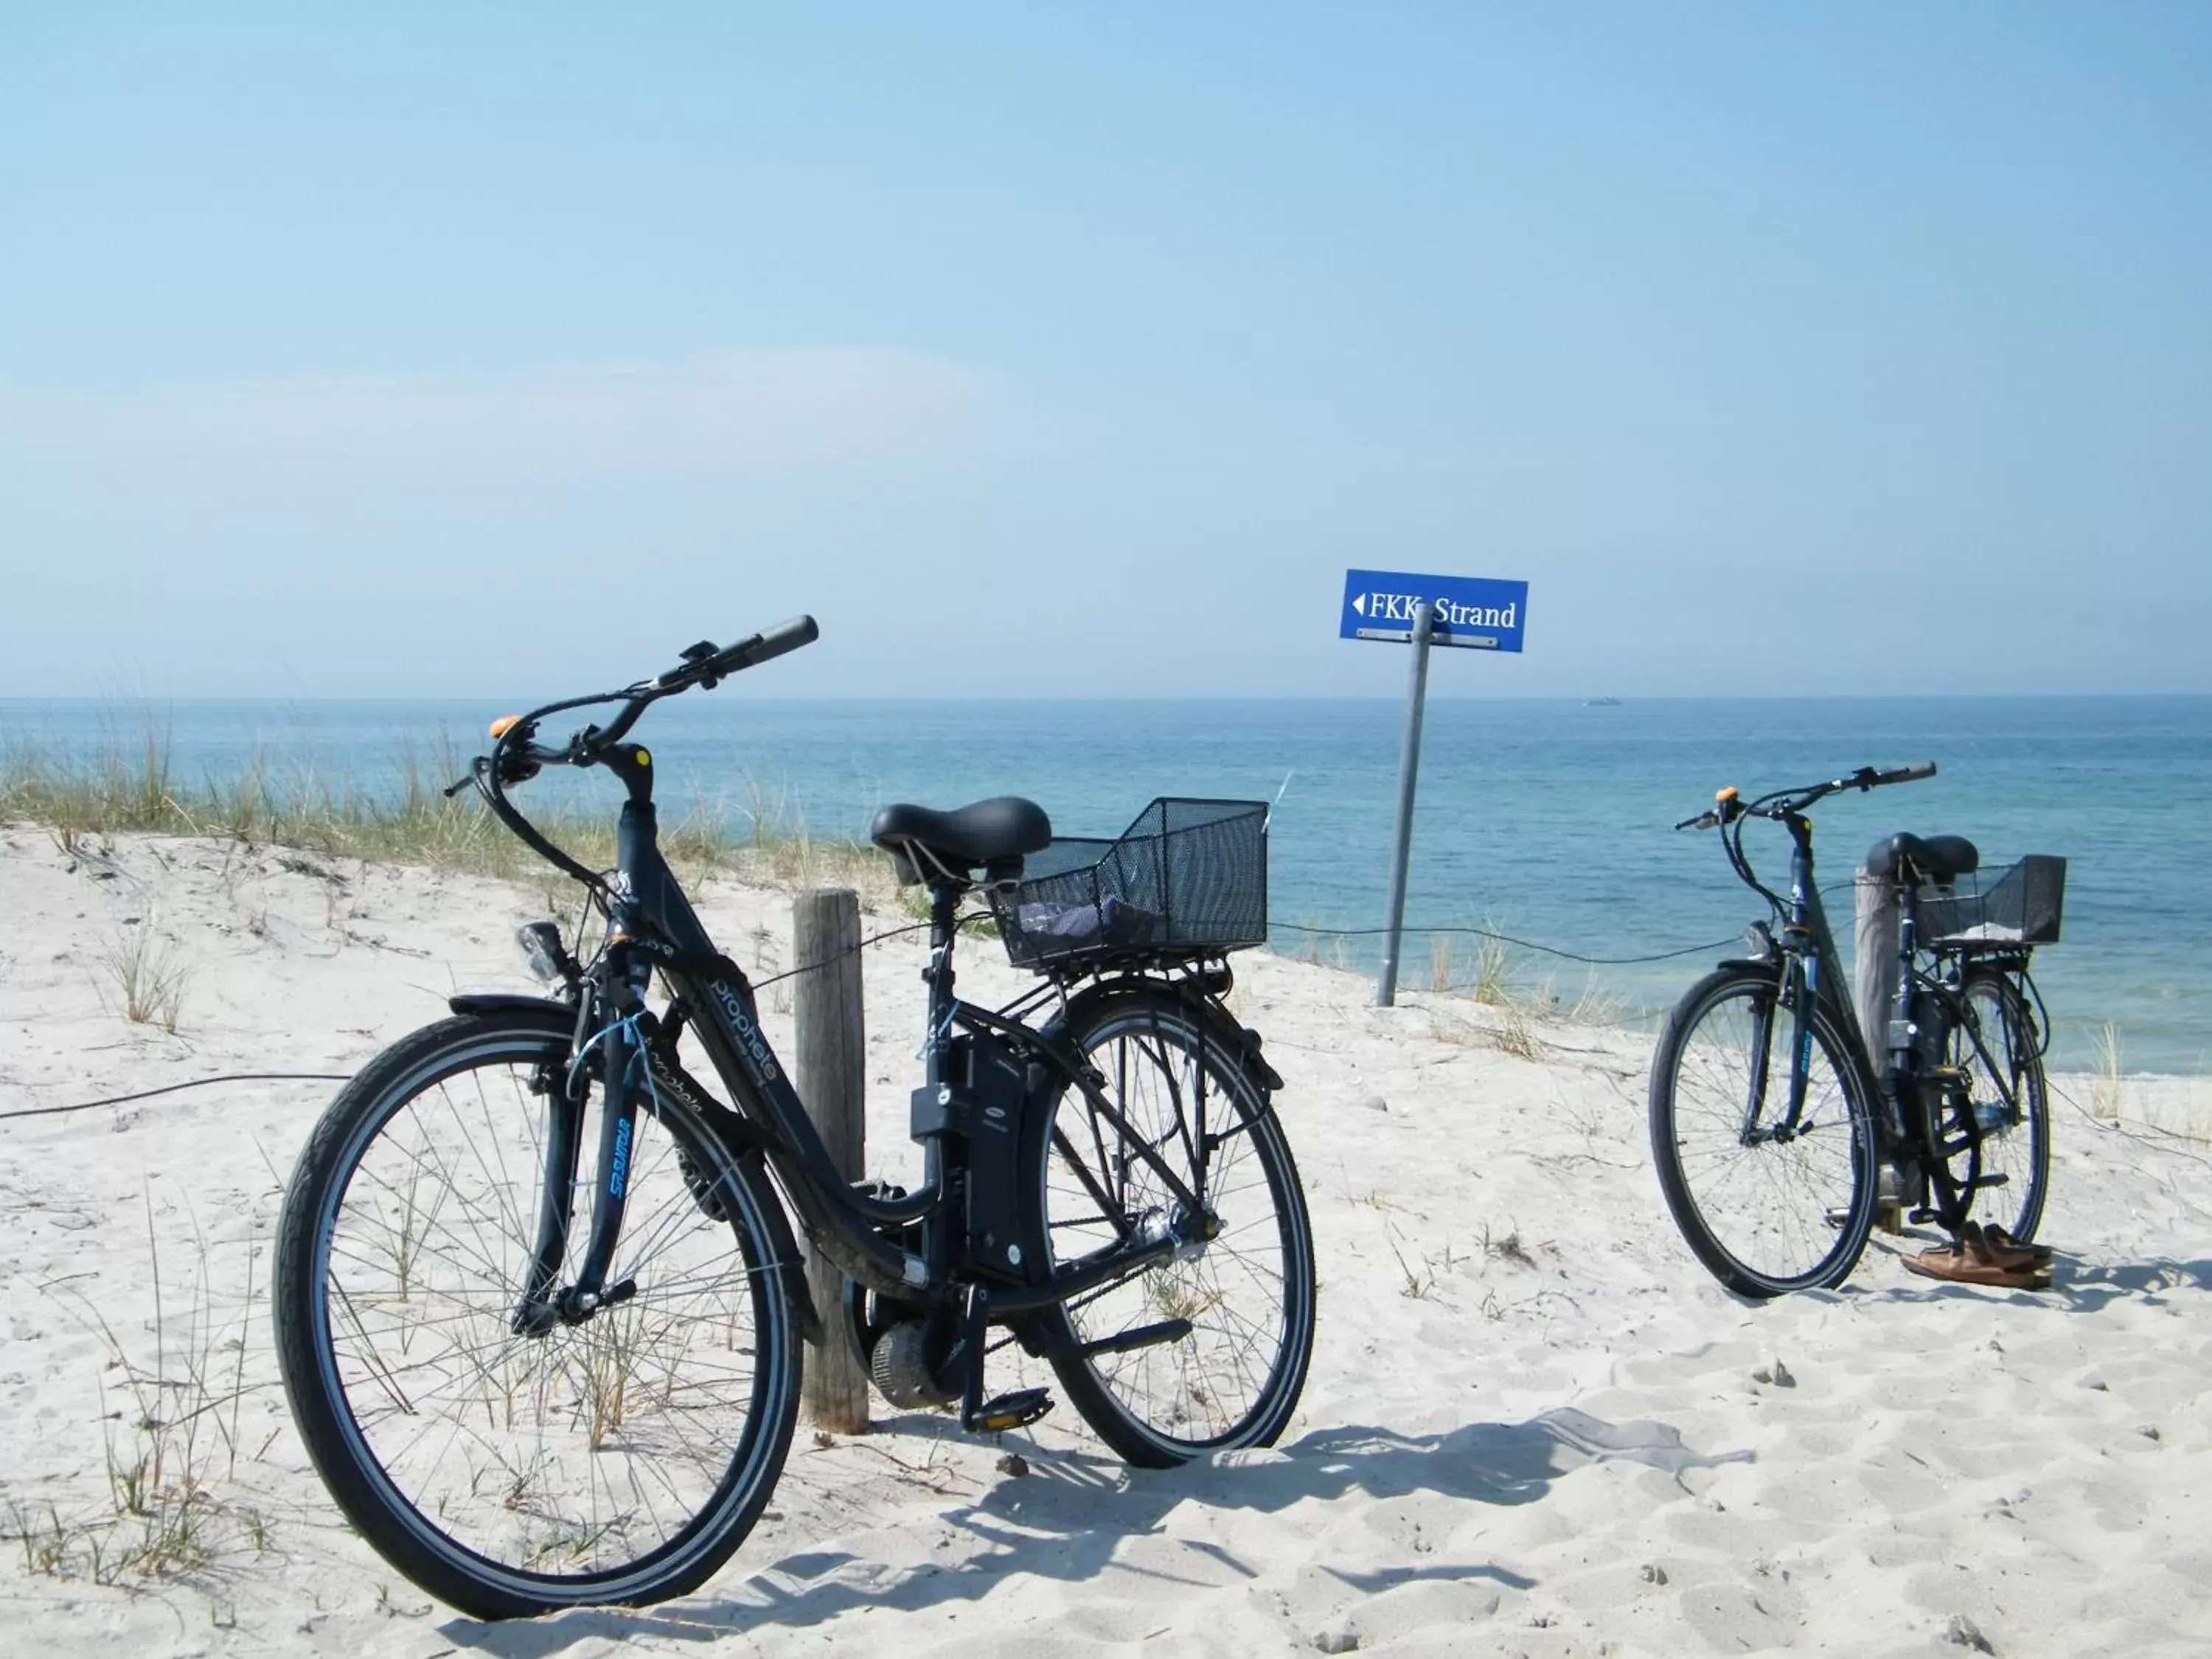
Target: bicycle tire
[(1821, 1185), (2005, 1069), (393, 1308), (1234, 1381)]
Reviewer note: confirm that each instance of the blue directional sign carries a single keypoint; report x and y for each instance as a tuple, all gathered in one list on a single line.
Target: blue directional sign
[(1474, 611)]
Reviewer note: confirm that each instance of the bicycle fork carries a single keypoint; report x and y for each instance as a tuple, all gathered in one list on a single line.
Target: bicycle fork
[(1803, 978), (616, 1050)]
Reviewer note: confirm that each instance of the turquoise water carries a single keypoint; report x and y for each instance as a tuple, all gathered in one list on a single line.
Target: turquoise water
[(1548, 820)]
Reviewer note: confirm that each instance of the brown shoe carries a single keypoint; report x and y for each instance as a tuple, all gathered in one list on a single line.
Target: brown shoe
[(2001, 1243), (1966, 1267), (1975, 1241)]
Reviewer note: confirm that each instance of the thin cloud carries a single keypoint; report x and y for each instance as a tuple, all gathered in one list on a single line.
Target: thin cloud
[(735, 414)]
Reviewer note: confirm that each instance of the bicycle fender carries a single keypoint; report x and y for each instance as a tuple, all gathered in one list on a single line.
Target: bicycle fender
[(1241, 1041), (747, 1151), (499, 1002), (790, 1265)]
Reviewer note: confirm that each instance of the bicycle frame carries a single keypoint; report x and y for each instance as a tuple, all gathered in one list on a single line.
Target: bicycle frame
[(653, 925), (1905, 1130)]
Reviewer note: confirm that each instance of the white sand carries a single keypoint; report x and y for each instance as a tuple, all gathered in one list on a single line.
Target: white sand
[(1568, 1454)]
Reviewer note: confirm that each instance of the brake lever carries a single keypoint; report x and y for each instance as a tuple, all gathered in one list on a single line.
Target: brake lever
[(695, 657), (1727, 807)]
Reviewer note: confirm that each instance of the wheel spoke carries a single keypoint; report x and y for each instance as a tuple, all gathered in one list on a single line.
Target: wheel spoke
[(1246, 1294), (1761, 1203), (1991, 1043), (580, 1450)]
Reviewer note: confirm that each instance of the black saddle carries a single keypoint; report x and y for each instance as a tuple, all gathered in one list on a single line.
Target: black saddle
[(1915, 859), (993, 834)]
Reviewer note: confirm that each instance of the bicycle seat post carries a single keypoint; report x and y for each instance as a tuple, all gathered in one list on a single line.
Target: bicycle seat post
[(944, 907)]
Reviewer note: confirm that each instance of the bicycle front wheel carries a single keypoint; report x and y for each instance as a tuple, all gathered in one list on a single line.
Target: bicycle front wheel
[(618, 1459), (1997, 1049), (1768, 1206), (1242, 1302)]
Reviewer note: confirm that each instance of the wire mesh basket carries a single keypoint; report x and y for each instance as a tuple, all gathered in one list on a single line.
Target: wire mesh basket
[(2020, 904), (1188, 878)]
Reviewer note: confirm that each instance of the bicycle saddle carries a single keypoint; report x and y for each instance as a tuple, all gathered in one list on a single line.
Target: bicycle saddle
[(987, 832), (1942, 859)]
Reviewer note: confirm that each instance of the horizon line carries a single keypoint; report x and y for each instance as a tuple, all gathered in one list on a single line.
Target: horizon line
[(1596, 700)]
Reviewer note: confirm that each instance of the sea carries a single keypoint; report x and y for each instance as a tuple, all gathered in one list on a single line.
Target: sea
[(1549, 821)]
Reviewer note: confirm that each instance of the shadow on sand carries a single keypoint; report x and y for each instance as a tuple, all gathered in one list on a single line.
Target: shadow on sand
[(1066, 1520)]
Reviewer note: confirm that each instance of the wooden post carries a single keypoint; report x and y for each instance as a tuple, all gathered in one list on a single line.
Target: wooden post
[(831, 1076), (1873, 964), (1874, 986)]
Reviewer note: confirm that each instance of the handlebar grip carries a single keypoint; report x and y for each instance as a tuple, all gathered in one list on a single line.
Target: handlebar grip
[(772, 642), (784, 636), (704, 665), (1911, 774)]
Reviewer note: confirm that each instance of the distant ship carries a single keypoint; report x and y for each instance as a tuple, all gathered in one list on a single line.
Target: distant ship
[(1601, 702)]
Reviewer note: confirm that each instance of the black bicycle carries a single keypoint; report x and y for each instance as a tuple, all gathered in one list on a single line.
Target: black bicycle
[(539, 1306), (1771, 1120)]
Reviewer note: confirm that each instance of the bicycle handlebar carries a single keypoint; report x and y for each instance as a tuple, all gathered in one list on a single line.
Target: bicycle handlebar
[(1783, 802), (1730, 811), (516, 754)]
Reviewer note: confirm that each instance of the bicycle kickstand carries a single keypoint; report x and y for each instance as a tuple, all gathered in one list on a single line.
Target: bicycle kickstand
[(1008, 1411)]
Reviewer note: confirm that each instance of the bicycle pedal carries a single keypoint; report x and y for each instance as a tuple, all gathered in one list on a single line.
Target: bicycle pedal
[(1920, 1217), (1010, 1411), (1980, 1183)]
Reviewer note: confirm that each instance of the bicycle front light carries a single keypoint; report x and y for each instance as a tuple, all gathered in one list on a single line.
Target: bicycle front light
[(541, 949)]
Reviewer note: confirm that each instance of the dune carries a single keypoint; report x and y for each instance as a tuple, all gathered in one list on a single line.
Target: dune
[(1534, 1424)]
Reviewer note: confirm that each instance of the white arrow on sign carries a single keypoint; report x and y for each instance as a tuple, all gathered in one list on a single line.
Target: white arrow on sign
[(1359, 603)]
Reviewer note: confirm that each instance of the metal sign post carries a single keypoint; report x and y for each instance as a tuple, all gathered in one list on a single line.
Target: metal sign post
[(1470, 611), (1409, 765)]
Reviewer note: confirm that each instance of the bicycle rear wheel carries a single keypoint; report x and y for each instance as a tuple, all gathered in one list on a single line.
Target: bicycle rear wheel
[(1246, 1295), (1997, 1048), (621, 1459), (1766, 1212)]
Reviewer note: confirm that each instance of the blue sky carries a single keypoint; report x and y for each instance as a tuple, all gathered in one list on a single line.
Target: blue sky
[(1068, 350)]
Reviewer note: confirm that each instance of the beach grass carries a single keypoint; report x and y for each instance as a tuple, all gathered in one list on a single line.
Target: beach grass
[(133, 786), (172, 1435), (2108, 1085), (149, 977)]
